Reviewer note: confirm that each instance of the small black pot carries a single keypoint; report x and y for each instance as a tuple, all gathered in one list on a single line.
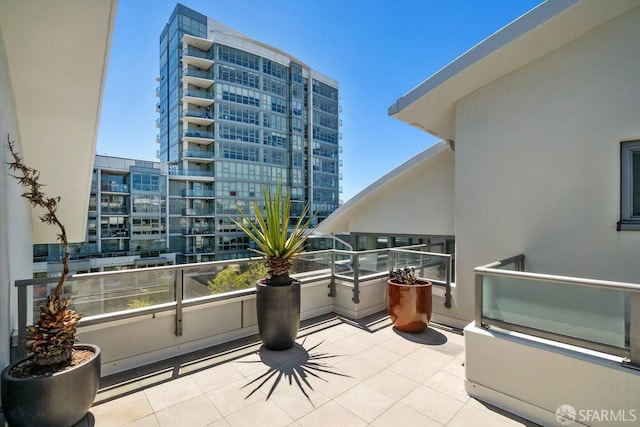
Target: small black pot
[(58, 400), (278, 309)]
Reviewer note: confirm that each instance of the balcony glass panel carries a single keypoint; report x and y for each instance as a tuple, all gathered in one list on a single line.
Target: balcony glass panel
[(200, 154), (198, 193), (198, 73), (197, 133), (430, 267), (190, 173), (197, 93), (319, 263), (597, 315), (93, 296), (192, 51), (221, 278), (371, 263), (198, 113)]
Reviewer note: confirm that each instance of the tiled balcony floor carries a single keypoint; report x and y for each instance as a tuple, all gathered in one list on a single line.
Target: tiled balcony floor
[(340, 373)]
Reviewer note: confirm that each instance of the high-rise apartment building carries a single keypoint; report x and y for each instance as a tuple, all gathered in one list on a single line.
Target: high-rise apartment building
[(235, 114)]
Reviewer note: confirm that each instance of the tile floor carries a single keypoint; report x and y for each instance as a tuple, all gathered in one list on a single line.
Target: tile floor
[(340, 373)]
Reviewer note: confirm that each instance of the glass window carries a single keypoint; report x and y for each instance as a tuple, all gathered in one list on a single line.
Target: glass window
[(630, 186)]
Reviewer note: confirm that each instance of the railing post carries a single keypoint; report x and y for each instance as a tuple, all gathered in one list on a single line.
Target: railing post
[(447, 292), (179, 293), (634, 329), (332, 282), (356, 279), (478, 299), (391, 260)]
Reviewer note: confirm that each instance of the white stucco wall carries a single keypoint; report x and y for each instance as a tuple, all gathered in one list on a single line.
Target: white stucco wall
[(415, 198), (16, 251), (537, 162)]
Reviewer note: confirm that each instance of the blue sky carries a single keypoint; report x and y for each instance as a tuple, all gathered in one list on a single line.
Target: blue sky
[(377, 50)]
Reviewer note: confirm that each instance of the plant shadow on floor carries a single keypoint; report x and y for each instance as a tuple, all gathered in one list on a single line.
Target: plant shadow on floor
[(296, 364)]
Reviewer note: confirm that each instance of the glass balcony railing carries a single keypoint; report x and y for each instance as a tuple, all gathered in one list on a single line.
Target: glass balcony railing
[(200, 154), (197, 113), (190, 172), (198, 73), (197, 133), (198, 193), (198, 93), (114, 188), (117, 233), (192, 51), (103, 297), (208, 211), (198, 250), (594, 314), (114, 210), (190, 231)]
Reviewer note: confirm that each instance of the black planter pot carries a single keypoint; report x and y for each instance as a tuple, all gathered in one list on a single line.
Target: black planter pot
[(58, 400), (278, 309)]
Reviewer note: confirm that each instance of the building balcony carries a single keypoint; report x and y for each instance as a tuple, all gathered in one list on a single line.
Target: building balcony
[(199, 78), (201, 156), (200, 194), (158, 123), (528, 326), (196, 52), (108, 187), (198, 211), (114, 210), (197, 135), (198, 117), (114, 234), (187, 172), (192, 175), (198, 250), (199, 97), (202, 44), (201, 74), (340, 366), (198, 231)]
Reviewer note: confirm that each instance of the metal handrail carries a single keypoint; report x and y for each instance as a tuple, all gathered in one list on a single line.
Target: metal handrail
[(179, 272), (631, 354)]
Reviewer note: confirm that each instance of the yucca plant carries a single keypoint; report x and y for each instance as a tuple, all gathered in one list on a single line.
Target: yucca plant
[(52, 338), (270, 233)]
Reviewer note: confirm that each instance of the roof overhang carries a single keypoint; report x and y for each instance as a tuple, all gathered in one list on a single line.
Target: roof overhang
[(431, 105), (57, 54)]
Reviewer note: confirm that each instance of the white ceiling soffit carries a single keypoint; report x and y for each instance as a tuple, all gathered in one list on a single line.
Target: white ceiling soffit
[(431, 105), (57, 53)]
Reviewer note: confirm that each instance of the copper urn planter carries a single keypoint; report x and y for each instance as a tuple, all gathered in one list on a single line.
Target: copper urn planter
[(409, 306)]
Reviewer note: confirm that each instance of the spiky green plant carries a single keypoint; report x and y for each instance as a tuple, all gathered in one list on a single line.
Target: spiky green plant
[(270, 232), (52, 338)]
